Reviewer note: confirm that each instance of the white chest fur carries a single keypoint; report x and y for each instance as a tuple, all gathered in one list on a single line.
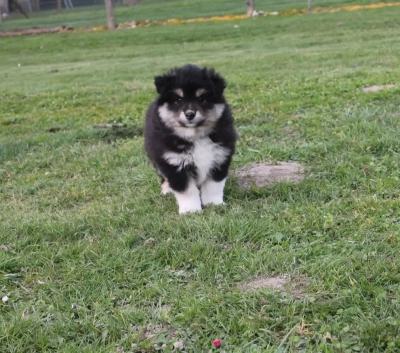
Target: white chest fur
[(204, 155)]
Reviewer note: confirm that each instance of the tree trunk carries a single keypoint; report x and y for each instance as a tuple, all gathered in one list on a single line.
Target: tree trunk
[(250, 7), (110, 14), (59, 6), (309, 5), (35, 5), (19, 7)]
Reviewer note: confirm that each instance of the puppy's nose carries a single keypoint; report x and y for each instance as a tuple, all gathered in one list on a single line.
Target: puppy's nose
[(190, 114)]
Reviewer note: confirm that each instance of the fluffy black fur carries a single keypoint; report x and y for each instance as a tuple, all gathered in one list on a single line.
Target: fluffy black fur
[(184, 115)]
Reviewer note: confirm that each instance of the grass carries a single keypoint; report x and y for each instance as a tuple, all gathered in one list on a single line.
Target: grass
[(159, 10), (93, 259)]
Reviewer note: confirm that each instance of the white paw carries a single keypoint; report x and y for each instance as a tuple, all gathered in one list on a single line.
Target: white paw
[(189, 200), (187, 208), (165, 189), (213, 200), (212, 192)]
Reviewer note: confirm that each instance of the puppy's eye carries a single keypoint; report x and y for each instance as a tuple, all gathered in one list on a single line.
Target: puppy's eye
[(202, 99), (178, 100)]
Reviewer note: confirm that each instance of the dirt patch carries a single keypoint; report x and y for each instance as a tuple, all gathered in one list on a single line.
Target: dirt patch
[(152, 332), (290, 131), (262, 174), (33, 31), (276, 283), (295, 286), (298, 285), (377, 88)]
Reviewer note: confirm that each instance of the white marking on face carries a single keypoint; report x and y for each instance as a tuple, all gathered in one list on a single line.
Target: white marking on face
[(179, 92), (198, 118), (167, 116), (189, 200), (191, 133), (212, 192), (204, 155), (200, 91)]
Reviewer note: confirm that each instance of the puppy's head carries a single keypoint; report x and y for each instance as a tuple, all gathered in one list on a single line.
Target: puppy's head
[(190, 97)]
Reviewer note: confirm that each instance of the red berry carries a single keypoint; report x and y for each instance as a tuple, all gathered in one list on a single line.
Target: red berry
[(217, 343)]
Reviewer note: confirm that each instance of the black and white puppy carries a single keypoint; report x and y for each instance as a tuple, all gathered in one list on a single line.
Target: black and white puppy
[(190, 136)]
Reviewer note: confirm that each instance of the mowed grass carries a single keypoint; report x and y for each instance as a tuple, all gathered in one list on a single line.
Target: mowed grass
[(83, 17), (94, 259)]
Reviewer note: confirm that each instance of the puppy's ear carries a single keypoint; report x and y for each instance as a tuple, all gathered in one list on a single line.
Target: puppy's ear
[(217, 81), (163, 83)]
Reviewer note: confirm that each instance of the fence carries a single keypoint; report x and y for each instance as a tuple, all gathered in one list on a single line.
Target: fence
[(40, 5), (87, 13)]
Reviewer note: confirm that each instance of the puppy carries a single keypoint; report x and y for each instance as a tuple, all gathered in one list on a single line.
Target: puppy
[(190, 136)]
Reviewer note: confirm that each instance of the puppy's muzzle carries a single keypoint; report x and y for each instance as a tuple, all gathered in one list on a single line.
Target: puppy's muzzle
[(190, 114)]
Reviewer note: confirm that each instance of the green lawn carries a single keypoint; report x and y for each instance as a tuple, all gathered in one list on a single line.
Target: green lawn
[(94, 259), (160, 10)]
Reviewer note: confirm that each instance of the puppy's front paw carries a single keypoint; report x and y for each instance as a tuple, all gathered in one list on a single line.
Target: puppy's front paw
[(212, 192), (165, 189), (189, 200), (215, 199), (189, 210), (191, 205)]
